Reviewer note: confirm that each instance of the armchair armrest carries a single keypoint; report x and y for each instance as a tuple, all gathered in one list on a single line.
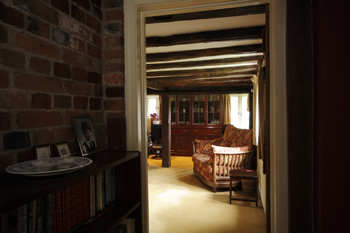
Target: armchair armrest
[(203, 146), (227, 158)]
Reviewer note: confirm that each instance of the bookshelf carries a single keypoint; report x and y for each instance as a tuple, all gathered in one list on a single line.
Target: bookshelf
[(19, 190)]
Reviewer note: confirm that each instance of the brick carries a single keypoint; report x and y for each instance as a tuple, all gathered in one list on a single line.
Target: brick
[(113, 15), (41, 101), (96, 3), (38, 27), (77, 88), (37, 119), (64, 134), (94, 51), (114, 67), (12, 59), (115, 92), (113, 54), (15, 140), (97, 12), (7, 160), (62, 101), (96, 40), (44, 136), (39, 9), (4, 79), (112, 4), (113, 80), (80, 102), (79, 74), (37, 83), (60, 36), (62, 70), (40, 65), (78, 13), (98, 91), (25, 155), (83, 3), (35, 45), (95, 104), (77, 44), (112, 28), (61, 5), (114, 105), (93, 23), (94, 77), (71, 26), (11, 16), (13, 99), (5, 120), (112, 41), (3, 34), (77, 59)]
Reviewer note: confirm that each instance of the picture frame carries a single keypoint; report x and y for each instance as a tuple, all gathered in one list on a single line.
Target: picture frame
[(85, 133), (62, 149), (42, 151)]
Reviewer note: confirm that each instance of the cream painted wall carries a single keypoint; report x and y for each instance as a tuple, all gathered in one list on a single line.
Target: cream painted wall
[(135, 93)]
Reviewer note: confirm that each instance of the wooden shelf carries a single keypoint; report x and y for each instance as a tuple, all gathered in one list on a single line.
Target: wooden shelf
[(17, 190)]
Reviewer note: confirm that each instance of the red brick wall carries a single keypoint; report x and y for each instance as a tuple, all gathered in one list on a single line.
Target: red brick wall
[(58, 58)]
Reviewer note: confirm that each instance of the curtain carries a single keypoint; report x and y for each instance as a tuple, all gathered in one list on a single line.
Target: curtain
[(227, 109), (255, 111)]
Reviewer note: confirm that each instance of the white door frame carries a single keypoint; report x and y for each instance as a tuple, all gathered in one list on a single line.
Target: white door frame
[(135, 91)]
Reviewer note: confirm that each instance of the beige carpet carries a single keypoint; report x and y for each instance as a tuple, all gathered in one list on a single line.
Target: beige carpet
[(180, 203)]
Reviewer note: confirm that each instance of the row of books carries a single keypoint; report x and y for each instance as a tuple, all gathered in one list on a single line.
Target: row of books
[(63, 210)]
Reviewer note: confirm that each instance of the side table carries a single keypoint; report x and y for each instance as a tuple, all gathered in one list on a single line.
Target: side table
[(244, 174)]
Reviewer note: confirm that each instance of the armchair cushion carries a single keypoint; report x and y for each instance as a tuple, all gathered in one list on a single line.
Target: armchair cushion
[(204, 146), (235, 137)]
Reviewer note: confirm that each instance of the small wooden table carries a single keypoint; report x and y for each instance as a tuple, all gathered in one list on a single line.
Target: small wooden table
[(244, 174)]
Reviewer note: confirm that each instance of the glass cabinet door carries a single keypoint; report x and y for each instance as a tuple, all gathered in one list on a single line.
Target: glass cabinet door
[(184, 109), (213, 109), (172, 99), (199, 109)]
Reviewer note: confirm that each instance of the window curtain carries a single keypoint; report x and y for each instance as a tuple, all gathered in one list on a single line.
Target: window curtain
[(255, 81), (227, 109)]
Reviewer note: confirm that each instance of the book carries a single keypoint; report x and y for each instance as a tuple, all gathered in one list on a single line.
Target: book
[(39, 219), (22, 219), (48, 215), (92, 196)]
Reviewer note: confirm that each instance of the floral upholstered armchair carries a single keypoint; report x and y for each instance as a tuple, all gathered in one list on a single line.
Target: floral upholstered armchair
[(213, 159)]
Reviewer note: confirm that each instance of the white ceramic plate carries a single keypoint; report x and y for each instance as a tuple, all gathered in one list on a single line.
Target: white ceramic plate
[(49, 166)]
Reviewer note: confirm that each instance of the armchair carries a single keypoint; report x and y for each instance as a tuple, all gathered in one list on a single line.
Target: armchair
[(213, 159)]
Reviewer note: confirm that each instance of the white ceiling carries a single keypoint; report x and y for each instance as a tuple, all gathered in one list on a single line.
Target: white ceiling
[(193, 26)]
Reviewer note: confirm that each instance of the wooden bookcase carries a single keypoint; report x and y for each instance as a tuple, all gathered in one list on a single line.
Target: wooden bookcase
[(18, 190), (194, 116)]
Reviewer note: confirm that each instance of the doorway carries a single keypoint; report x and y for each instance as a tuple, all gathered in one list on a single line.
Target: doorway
[(135, 111)]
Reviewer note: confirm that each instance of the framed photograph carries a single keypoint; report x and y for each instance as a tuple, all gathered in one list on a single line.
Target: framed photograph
[(43, 151), (62, 149), (85, 134)]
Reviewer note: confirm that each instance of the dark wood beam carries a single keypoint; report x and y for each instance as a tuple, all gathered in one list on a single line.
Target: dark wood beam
[(205, 37), (207, 76), (228, 70), (203, 52), (241, 11), (203, 63), (193, 83)]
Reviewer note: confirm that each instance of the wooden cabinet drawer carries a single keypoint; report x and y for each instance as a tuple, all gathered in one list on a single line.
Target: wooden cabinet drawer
[(206, 131)]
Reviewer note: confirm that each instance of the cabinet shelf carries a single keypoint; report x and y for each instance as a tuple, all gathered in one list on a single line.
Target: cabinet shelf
[(17, 190)]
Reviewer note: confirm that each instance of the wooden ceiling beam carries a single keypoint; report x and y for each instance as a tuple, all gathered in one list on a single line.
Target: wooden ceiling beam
[(228, 70), (156, 57), (193, 83), (241, 11), (203, 63), (205, 37), (207, 76)]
